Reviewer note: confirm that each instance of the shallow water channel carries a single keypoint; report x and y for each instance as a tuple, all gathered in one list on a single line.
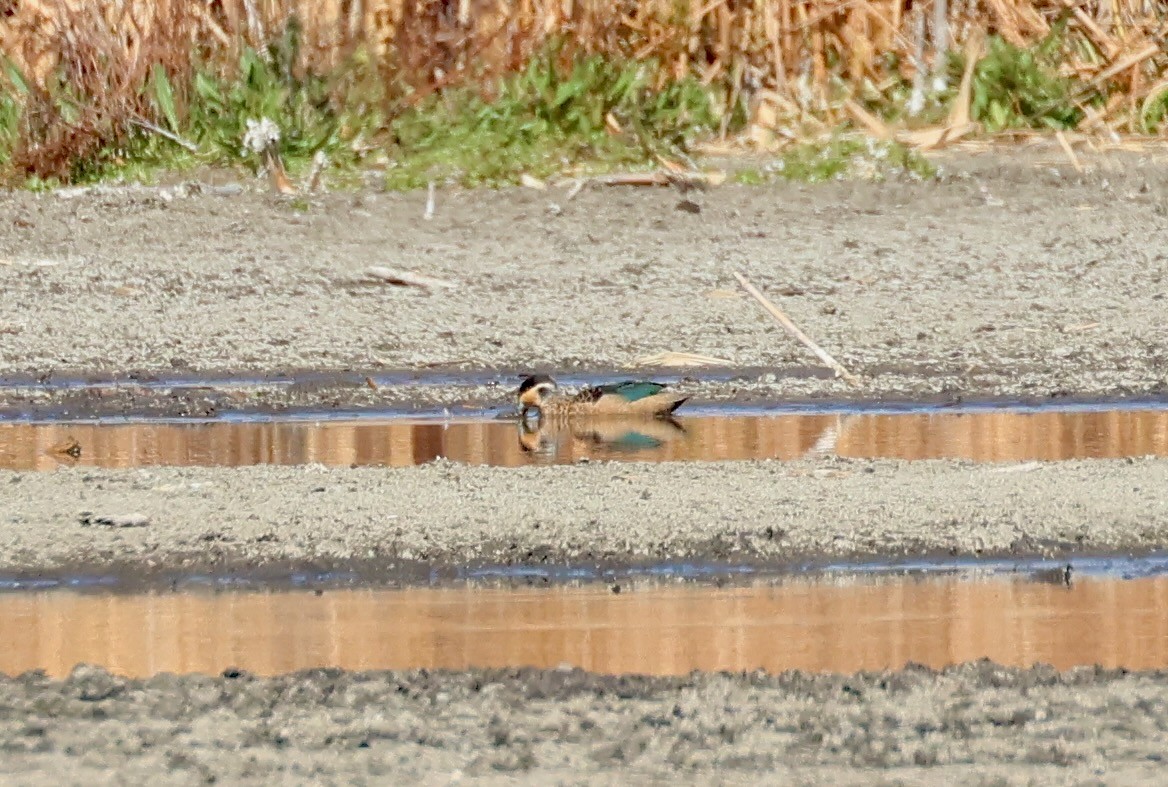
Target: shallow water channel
[(978, 434), (842, 620), (825, 624)]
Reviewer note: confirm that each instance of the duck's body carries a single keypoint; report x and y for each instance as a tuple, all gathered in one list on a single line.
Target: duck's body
[(629, 399)]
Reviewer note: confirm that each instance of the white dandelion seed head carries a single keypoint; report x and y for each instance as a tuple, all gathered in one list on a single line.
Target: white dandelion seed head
[(260, 135)]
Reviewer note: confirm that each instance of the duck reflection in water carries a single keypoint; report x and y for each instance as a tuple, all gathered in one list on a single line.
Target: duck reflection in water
[(595, 438)]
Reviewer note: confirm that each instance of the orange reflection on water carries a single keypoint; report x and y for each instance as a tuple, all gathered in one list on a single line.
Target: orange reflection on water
[(819, 626), (981, 436)]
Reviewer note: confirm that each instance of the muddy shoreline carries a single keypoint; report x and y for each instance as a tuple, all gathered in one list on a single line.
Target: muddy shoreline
[(221, 397), (1010, 276)]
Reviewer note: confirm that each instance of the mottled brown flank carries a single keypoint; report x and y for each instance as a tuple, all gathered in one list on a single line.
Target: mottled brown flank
[(597, 402), (588, 395)]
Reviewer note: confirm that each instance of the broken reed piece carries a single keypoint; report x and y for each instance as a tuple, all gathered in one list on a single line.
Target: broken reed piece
[(429, 214), (681, 178), (633, 179), (405, 278), (793, 329), (277, 174), (312, 180), (673, 358), (1065, 144), (959, 124)]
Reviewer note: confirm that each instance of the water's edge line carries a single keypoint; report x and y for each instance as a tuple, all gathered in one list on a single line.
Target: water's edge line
[(1056, 570), (698, 409), (504, 382)]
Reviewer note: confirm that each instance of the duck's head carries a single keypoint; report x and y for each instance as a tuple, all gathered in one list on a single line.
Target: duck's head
[(533, 390)]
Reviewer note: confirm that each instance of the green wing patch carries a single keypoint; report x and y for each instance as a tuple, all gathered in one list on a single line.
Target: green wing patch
[(631, 390)]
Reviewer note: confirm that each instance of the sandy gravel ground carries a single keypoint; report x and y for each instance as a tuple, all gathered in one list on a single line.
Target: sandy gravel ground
[(975, 724), (1008, 277), (445, 514)]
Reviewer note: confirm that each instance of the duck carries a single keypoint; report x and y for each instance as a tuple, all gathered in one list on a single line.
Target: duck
[(627, 399)]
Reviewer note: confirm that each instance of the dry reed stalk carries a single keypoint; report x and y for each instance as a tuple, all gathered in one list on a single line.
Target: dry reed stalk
[(917, 101), (960, 116), (960, 122), (797, 49), (872, 124), (426, 34), (940, 43), (1130, 60), (794, 330), (101, 56)]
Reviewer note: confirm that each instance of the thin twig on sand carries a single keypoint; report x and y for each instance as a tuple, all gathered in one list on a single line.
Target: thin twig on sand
[(793, 329)]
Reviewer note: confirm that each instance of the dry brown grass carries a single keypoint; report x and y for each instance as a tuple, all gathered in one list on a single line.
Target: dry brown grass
[(86, 70), (784, 57)]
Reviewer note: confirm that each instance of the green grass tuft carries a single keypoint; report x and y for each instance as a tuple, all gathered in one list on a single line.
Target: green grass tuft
[(545, 120), (13, 90), (841, 157), (551, 117), (1021, 88)]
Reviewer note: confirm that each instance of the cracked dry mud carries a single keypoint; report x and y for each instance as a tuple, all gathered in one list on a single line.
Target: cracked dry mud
[(1012, 277)]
